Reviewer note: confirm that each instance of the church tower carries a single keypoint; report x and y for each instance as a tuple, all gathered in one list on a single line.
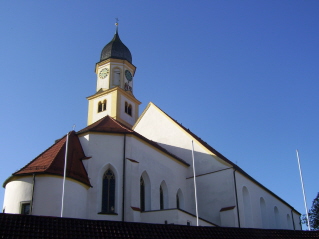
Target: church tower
[(114, 86)]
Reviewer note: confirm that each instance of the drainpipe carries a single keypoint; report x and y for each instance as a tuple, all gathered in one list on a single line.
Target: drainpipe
[(123, 186), (31, 203), (238, 218)]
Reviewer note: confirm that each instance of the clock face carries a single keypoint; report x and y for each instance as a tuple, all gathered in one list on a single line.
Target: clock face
[(103, 73), (128, 75)]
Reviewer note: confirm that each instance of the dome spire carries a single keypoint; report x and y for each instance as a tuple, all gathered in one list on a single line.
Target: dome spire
[(117, 26), (116, 49)]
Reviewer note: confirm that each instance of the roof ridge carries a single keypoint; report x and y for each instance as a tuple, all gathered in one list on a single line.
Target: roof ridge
[(121, 125)]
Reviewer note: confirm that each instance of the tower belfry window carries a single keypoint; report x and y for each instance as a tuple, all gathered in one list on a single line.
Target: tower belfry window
[(128, 108), (101, 106)]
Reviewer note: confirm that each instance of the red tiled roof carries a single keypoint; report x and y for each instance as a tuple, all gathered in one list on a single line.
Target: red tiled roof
[(51, 161), (109, 125), (25, 226)]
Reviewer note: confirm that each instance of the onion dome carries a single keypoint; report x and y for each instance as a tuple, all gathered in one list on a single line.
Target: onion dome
[(116, 49)]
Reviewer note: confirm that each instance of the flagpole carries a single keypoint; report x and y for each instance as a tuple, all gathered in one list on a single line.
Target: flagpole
[(195, 183), (64, 173), (303, 190)]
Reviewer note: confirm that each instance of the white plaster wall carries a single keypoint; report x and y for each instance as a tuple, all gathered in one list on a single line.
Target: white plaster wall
[(98, 115), (172, 217), (128, 118), (47, 197), (159, 168), (214, 192), (106, 151), (19, 190), (156, 126), (255, 193)]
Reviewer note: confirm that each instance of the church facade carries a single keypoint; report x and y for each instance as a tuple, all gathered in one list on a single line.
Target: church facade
[(126, 167)]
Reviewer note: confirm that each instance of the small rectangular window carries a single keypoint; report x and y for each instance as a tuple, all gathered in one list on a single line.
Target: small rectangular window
[(25, 208)]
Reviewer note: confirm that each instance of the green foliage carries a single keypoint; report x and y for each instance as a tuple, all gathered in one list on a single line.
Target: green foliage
[(313, 215)]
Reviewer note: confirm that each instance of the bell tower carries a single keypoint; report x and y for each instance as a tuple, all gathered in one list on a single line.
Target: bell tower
[(114, 85)]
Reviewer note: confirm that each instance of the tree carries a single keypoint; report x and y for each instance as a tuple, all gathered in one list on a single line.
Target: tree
[(313, 214)]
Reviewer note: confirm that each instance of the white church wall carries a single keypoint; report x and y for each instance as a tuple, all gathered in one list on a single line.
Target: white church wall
[(98, 115), (159, 167), (215, 191), (48, 201), (157, 126), (172, 217), (106, 151), (125, 116), (17, 191), (261, 212)]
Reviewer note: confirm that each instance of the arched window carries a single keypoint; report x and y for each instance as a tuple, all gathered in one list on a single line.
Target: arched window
[(161, 198), (263, 212), (128, 108), (145, 192), (277, 218), (116, 76), (108, 192), (101, 106), (179, 199), (247, 208), (104, 105), (142, 194)]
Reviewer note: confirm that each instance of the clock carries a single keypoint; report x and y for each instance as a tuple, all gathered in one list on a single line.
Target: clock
[(128, 75), (103, 73)]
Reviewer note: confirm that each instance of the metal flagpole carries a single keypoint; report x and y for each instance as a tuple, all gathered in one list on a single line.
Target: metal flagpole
[(303, 190), (195, 183), (64, 173)]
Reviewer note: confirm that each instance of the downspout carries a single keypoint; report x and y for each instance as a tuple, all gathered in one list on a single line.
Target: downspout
[(31, 203), (238, 218), (293, 221), (123, 185)]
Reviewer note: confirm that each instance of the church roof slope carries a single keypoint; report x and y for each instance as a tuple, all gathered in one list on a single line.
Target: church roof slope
[(51, 161), (109, 125), (214, 151), (26, 226)]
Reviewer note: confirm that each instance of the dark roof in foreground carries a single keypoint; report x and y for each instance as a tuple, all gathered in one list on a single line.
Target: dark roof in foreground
[(25, 226)]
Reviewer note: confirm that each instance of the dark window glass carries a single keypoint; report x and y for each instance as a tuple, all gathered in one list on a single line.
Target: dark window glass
[(99, 107), (25, 208), (177, 201), (142, 194), (161, 198), (108, 192), (126, 107), (129, 110)]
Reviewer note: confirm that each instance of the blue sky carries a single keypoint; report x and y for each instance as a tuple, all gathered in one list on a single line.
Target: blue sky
[(242, 75)]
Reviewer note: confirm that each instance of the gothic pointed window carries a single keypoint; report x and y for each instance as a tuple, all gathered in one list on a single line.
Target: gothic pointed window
[(108, 192), (177, 201), (161, 198), (142, 194)]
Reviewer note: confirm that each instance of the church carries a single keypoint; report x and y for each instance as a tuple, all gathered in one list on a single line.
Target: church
[(139, 168)]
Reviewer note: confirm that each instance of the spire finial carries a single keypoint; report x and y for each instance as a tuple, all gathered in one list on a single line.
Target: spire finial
[(117, 24)]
